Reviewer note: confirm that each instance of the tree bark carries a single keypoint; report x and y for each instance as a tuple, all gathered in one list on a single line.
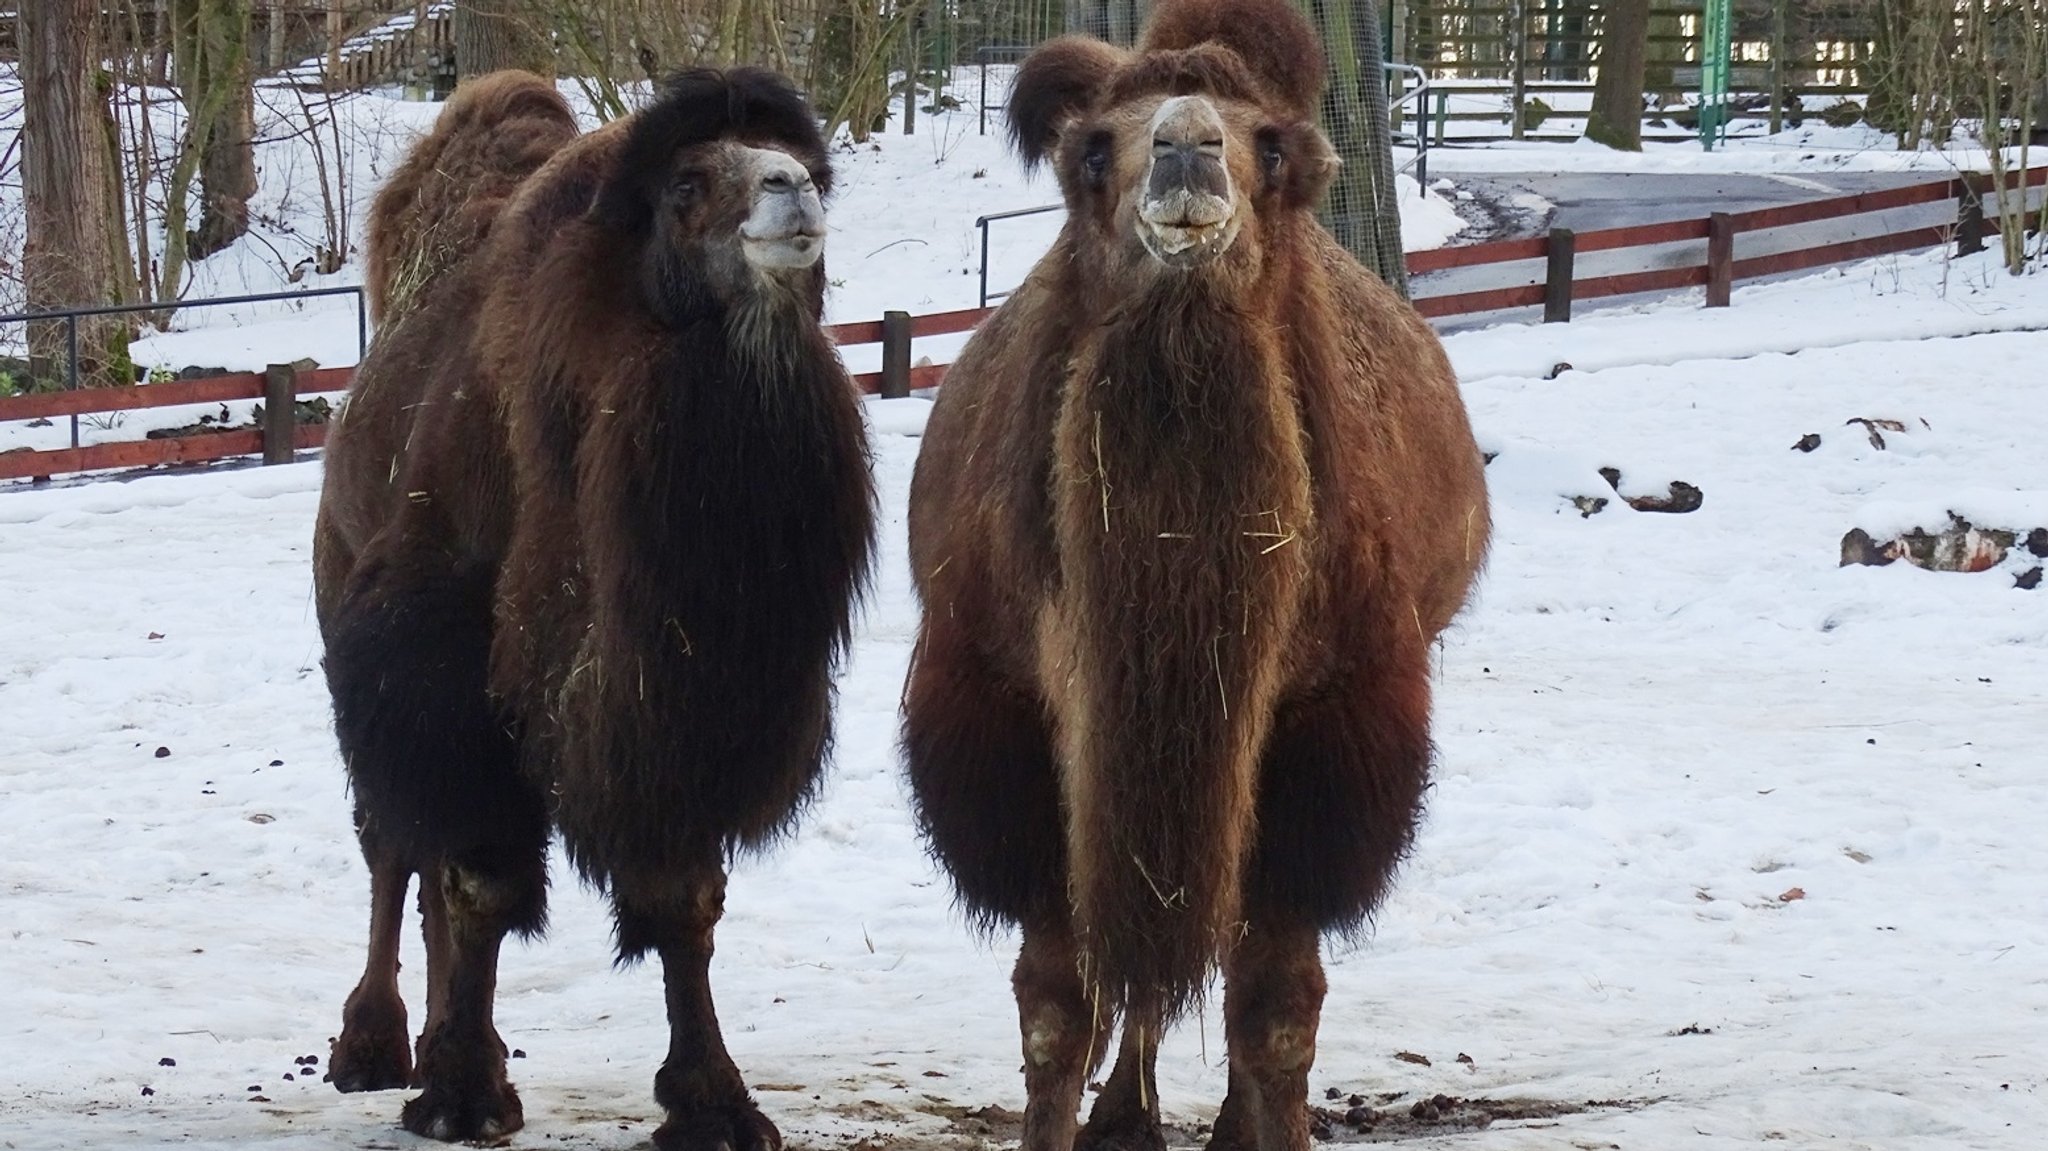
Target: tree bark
[(69, 257), (1617, 116), (218, 89), (495, 34)]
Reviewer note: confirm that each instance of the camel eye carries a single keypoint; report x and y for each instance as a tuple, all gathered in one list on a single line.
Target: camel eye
[(1270, 154), (1095, 161)]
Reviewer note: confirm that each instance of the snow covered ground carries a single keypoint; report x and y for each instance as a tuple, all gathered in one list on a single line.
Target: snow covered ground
[(1739, 845), (1736, 844)]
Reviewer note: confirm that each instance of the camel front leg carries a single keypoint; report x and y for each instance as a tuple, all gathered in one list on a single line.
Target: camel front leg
[(707, 1104), (464, 1094), (374, 1050), (1272, 1003), (1064, 1036)]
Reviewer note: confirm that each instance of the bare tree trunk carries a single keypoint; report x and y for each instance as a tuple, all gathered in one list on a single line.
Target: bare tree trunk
[(335, 29), (218, 88), (494, 34), (124, 282), (69, 256), (275, 60), (1617, 116), (421, 86), (1890, 103)]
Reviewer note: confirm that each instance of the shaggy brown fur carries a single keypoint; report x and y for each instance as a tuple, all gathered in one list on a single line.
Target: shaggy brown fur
[(1184, 533), (593, 526), (438, 205)]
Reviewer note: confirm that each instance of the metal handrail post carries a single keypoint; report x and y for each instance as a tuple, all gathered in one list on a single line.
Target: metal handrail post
[(71, 367), (982, 223)]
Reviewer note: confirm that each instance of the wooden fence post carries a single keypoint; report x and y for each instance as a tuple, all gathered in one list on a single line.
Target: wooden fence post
[(1557, 282), (280, 401), (1720, 258), (895, 355), (1970, 214)]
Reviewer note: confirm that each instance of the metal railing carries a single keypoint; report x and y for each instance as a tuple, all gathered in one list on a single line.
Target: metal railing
[(984, 56), (71, 316), (982, 222), (1418, 138)]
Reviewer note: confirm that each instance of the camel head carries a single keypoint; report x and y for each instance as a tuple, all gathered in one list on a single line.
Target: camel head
[(720, 190), (1183, 155)]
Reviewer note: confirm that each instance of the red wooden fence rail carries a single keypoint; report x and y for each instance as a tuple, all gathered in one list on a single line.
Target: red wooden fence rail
[(1720, 267)]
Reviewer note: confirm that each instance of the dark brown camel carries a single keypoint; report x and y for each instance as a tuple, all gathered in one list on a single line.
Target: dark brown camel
[(593, 526), (1190, 511)]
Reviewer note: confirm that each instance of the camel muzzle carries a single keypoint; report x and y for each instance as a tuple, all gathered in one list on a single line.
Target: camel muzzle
[(1186, 214), (786, 228)]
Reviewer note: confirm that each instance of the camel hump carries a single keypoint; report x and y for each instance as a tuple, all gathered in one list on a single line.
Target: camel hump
[(439, 204), (1274, 40)]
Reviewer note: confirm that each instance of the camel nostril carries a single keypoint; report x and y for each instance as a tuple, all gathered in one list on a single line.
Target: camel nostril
[(778, 182)]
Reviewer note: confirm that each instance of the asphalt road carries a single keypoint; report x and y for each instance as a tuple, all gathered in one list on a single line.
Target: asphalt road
[(1510, 205), (1583, 201)]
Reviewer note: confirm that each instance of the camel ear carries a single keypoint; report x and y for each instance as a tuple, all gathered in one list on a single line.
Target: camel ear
[(1306, 163), (695, 107), (1054, 84), (1272, 38)]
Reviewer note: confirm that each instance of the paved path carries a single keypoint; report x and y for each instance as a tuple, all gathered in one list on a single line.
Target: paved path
[(1587, 200), (1510, 205)]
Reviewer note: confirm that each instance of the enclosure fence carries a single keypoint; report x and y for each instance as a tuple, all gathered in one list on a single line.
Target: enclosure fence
[(1704, 252)]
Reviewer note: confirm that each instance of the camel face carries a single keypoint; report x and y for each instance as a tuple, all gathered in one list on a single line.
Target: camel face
[(1186, 211), (786, 226), (1177, 161), (734, 222)]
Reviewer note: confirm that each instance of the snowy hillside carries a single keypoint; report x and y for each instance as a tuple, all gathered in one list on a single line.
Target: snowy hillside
[(1728, 846)]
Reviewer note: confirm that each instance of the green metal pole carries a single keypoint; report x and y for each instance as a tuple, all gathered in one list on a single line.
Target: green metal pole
[(1714, 50)]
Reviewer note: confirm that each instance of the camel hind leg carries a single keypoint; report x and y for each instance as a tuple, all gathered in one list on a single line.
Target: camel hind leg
[(434, 766)]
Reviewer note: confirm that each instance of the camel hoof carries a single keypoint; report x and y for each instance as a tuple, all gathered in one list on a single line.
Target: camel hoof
[(457, 1117), (1137, 1132), (732, 1127), (363, 1059)]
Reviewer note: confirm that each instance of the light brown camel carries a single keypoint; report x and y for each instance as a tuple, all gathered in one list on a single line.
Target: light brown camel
[(1190, 511)]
